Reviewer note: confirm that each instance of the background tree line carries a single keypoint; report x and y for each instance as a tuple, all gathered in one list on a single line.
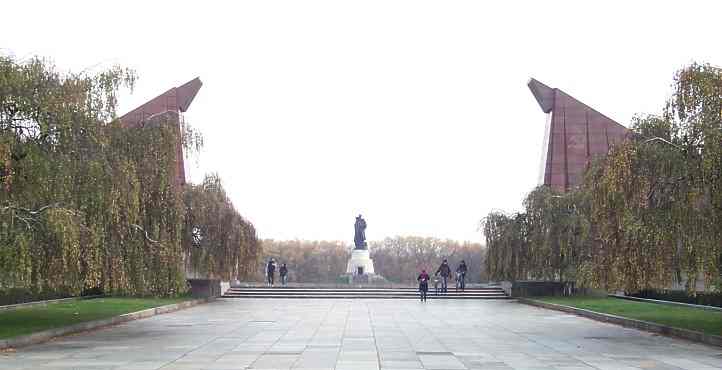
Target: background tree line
[(89, 204), (646, 215), (308, 261), (398, 259)]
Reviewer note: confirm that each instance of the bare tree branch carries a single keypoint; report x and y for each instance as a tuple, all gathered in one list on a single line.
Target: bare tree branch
[(144, 232), (664, 141), (31, 214)]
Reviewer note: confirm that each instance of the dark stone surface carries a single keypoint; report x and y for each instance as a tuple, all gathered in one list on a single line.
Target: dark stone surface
[(540, 288), (360, 279), (205, 288)]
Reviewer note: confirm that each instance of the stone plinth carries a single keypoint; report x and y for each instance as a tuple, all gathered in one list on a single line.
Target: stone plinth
[(205, 288), (360, 263)]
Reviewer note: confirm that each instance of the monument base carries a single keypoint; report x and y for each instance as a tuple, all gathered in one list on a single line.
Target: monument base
[(360, 270), (360, 263), (363, 280)]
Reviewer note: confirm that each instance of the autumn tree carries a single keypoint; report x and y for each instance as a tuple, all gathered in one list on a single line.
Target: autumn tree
[(400, 259), (646, 214), (218, 241), (308, 261), (87, 203)]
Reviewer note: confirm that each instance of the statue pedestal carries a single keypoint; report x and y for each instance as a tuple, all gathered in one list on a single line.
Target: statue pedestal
[(360, 263)]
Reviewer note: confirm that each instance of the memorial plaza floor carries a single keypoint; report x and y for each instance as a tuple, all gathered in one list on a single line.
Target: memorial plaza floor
[(364, 335)]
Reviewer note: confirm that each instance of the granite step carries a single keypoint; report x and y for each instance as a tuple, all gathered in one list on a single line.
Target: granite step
[(377, 293), (281, 296), (358, 290), (363, 295)]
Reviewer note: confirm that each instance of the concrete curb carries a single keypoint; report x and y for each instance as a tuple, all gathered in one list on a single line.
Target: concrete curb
[(668, 303), (630, 323), (45, 303), (46, 335)]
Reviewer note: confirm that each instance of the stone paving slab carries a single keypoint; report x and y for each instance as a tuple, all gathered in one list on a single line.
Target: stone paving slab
[(45, 335), (365, 335)]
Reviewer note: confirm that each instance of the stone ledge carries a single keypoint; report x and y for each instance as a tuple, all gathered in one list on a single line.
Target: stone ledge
[(630, 323), (668, 303), (46, 335), (47, 302)]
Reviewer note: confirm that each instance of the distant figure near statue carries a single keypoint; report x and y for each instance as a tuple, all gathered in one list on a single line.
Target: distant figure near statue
[(359, 238)]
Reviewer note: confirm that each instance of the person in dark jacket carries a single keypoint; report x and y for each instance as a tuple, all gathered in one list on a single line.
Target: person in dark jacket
[(423, 280), (461, 275), (270, 271), (444, 271), (283, 271)]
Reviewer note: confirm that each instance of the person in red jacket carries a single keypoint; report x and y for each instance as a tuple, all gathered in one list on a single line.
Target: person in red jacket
[(423, 280)]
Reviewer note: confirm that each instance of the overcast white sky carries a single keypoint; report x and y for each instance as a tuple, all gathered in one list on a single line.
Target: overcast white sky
[(414, 113)]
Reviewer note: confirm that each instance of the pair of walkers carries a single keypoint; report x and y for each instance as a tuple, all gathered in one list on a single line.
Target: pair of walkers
[(271, 272), (444, 272)]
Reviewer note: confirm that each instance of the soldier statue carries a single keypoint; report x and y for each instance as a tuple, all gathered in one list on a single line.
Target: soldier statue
[(359, 238)]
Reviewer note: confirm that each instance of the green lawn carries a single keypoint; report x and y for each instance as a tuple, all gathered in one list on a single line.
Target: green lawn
[(32, 319), (706, 321)]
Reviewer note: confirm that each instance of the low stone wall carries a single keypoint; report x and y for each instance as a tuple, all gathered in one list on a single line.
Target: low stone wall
[(45, 303), (535, 288), (630, 323), (45, 335), (668, 303), (538, 288), (205, 288)]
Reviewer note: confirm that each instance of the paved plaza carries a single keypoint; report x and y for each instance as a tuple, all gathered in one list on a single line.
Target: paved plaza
[(365, 335)]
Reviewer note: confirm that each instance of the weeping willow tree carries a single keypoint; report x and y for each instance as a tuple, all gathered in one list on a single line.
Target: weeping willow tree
[(543, 242), (557, 231), (656, 199), (695, 113), (507, 246), (646, 214), (55, 175), (85, 202), (219, 242), (634, 239)]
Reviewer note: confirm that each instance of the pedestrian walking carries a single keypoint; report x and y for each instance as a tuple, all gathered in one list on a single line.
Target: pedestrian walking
[(283, 271), (461, 275), (270, 271), (423, 280), (444, 271)]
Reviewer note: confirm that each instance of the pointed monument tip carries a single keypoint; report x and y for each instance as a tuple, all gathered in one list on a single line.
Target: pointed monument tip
[(543, 94), (187, 92)]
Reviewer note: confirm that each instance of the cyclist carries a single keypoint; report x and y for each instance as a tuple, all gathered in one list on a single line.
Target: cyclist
[(444, 271)]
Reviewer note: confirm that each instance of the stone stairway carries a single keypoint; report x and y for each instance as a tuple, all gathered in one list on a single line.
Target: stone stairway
[(344, 293)]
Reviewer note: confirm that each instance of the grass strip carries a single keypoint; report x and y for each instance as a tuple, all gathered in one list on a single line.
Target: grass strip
[(33, 319), (708, 322)]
